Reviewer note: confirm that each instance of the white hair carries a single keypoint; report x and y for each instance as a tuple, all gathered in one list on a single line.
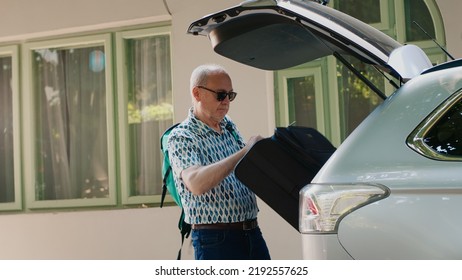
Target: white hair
[(201, 73)]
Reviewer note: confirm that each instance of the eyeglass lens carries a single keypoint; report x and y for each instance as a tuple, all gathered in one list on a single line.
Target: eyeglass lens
[(221, 94)]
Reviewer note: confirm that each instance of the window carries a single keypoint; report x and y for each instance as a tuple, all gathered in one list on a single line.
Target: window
[(69, 123), (6, 129), (10, 184), (416, 11), (91, 120), (356, 99), (146, 110), (414, 18), (367, 13), (300, 102), (445, 136), (302, 89)]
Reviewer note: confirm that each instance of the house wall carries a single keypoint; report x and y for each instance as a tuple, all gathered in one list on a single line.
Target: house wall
[(146, 233), (450, 11)]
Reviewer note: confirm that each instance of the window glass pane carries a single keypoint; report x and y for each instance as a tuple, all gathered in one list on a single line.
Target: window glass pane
[(150, 109), (70, 120), (302, 101), (6, 132), (367, 11), (417, 10), (445, 137), (357, 100)]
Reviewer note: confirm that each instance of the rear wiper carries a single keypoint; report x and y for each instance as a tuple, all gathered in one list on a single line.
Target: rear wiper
[(360, 76)]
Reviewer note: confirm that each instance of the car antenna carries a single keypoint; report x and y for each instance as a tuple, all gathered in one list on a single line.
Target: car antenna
[(431, 38)]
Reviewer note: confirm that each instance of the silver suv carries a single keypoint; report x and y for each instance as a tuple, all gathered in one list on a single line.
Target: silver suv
[(393, 188)]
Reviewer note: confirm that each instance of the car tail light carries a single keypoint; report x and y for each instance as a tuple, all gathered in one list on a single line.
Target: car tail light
[(322, 206)]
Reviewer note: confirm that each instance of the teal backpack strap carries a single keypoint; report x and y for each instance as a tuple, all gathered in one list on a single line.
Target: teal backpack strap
[(168, 184), (230, 128), (167, 176)]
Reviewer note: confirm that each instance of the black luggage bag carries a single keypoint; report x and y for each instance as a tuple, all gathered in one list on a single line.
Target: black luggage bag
[(276, 168)]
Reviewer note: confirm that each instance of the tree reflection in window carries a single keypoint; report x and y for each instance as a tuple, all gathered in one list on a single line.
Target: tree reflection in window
[(357, 100)]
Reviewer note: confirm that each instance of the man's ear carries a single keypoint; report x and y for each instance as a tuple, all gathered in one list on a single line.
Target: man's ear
[(195, 93)]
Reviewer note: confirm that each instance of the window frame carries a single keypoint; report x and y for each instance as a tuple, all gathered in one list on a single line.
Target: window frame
[(385, 9), (384, 15), (28, 131), (401, 25), (13, 52), (283, 94), (327, 99), (122, 85)]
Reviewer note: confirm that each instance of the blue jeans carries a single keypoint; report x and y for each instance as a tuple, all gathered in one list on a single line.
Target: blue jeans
[(214, 244)]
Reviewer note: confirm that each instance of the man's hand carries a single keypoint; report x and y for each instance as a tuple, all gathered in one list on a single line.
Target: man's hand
[(252, 140)]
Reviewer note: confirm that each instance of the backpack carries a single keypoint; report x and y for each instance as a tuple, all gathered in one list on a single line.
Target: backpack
[(168, 182)]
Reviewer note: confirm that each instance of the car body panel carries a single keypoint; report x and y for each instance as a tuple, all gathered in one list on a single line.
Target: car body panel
[(410, 224), (323, 247)]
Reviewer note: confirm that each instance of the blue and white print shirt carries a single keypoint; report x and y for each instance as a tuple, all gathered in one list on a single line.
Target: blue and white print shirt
[(193, 143)]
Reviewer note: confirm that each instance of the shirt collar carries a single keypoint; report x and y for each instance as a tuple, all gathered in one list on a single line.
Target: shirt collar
[(201, 127)]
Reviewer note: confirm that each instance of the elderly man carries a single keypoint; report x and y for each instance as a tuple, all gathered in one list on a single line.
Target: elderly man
[(204, 149)]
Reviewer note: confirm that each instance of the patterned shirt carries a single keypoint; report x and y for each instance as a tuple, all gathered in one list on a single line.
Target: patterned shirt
[(193, 143)]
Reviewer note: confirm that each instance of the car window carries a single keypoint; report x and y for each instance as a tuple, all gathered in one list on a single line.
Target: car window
[(445, 137)]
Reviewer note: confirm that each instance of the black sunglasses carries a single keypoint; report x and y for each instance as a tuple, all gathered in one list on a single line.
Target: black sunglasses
[(221, 94)]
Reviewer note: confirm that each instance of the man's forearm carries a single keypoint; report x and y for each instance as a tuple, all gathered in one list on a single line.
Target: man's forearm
[(201, 179)]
